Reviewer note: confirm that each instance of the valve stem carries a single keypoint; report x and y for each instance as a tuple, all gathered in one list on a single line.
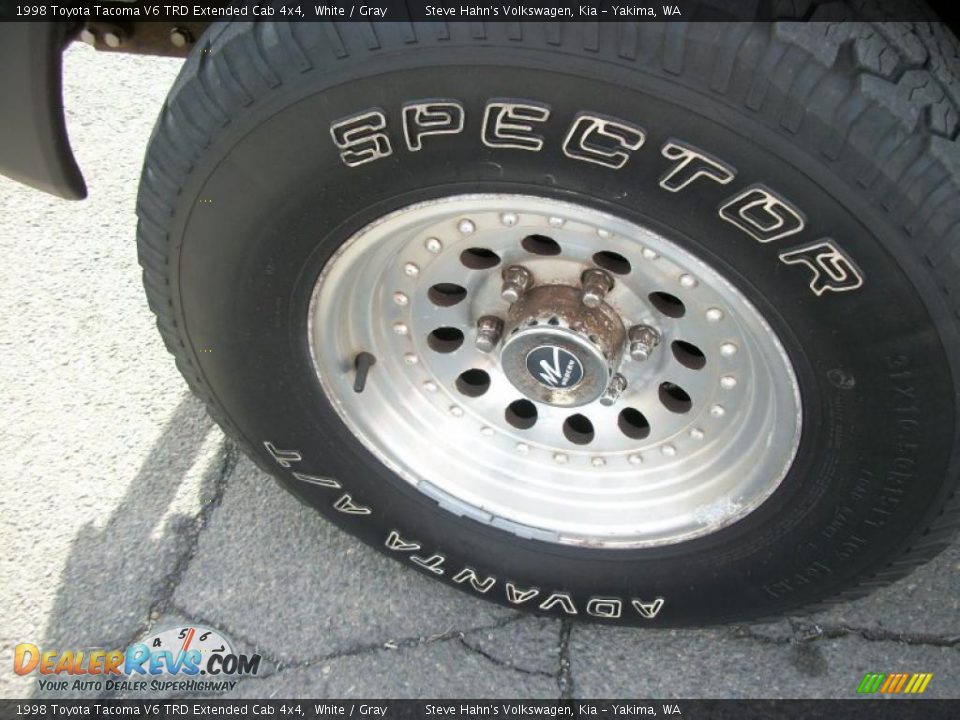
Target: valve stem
[(362, 364)]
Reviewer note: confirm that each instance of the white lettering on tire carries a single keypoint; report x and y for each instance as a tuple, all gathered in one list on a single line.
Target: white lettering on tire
[(648, 610), (602, 140), (431, 117), (283, 458), (692, 164), (316, 480), (604, 607), (561, 599), (508, 124), (434, 563), (516, 596), (758, 211), (346, 505), (360, 137), (763, 214), (397, 543), (832, 270), (469, 575)]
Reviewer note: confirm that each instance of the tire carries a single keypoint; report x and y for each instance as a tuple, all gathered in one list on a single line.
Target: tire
[(829, 205)]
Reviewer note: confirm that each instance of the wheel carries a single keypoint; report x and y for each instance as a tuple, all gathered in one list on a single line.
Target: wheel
[(643, 324)]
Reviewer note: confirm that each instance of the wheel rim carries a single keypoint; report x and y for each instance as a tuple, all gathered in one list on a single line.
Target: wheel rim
[(704, 432)]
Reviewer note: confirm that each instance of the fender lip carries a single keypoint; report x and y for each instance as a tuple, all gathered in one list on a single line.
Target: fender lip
[(34, 148)]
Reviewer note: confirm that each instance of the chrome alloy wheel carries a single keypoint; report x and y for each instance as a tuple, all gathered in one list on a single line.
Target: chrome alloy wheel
[(554, 371)]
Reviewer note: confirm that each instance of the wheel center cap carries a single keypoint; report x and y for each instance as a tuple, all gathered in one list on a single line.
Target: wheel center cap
[(558, 351), (554, 366)]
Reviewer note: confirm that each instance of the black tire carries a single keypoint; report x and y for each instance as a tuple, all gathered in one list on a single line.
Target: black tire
[(244, 196)]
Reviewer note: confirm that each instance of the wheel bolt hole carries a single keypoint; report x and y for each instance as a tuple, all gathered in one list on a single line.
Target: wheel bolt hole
[(446, 294), (540, 245), (612, 262), (633, 424), (688, 354), (675, 398), (473, 383), (522, 414), (669, 305), (479, 258), (445, 339), (578, 429), (553, 321)]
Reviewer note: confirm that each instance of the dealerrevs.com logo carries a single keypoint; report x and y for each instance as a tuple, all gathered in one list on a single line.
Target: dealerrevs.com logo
[(186, 659)]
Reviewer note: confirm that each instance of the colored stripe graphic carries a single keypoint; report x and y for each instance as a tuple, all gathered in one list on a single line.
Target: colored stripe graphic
[(890, 682), (927, 677), (895, 683), (915, 681), (871, 682)]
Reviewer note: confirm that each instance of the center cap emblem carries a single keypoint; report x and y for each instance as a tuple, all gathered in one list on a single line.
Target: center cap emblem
[(554, 367)]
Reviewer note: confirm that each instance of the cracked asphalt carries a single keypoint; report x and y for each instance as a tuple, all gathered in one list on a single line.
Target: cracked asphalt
[(124, 508)]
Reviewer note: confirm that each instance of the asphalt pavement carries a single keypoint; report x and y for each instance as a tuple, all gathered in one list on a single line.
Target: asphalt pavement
[(124, 509)]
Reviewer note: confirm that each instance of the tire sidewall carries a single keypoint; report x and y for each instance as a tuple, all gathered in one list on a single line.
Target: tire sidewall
[(280, 201)]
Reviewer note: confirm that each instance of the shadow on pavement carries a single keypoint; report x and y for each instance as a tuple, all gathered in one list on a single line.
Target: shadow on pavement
[(119, 574)]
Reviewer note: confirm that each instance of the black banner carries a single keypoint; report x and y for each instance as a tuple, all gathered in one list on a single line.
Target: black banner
[(273, 709), (127, 11)]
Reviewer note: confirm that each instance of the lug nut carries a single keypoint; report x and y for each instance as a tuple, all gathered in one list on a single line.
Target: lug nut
[(516, 280), (596, 284), (618, 383), (489, 329), (643, 339)]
